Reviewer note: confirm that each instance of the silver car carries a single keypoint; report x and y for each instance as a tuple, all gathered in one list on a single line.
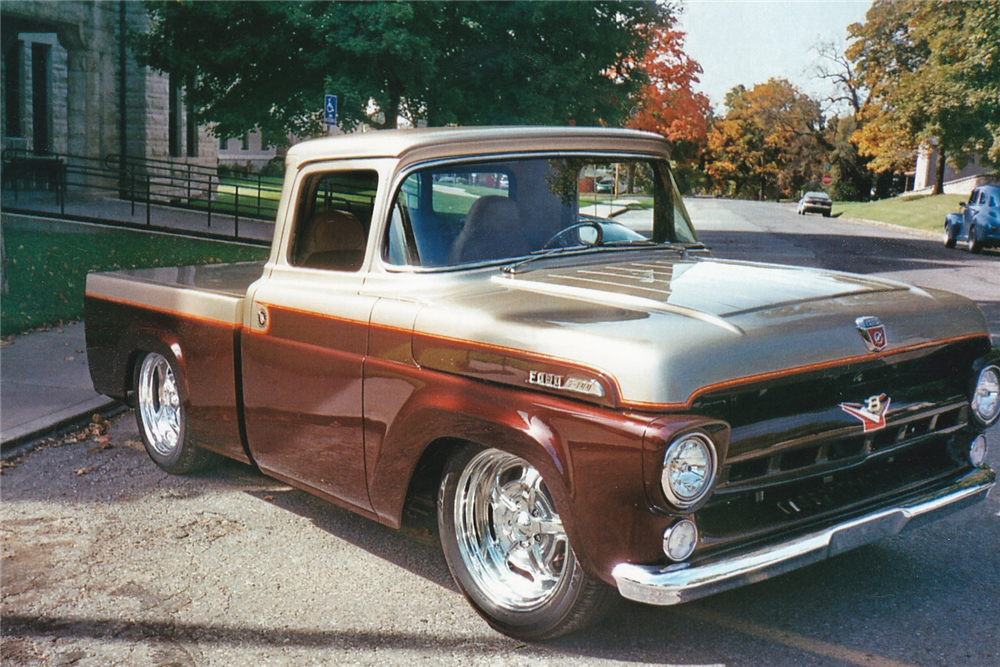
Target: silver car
[(815, 202)]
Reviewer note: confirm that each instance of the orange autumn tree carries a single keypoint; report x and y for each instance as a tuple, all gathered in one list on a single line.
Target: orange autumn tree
[(669, 105)]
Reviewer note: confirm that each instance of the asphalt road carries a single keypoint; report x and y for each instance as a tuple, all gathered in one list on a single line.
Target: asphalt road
[(109, 561)]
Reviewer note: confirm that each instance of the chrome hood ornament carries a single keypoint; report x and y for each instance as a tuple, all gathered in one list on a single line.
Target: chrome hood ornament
[(873, 331)]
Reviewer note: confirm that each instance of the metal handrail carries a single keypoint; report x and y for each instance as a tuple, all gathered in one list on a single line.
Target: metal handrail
[(150, 180)]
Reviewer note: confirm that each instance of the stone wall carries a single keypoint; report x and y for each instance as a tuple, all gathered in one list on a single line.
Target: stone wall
[(85, 114)]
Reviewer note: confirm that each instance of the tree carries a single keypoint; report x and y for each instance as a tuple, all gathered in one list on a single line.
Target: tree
[(852, 177), (267, 65), (768, 143), (934, 72), (669, 105)]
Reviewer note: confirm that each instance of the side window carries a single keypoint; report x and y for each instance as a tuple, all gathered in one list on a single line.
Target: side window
[(993, 201), (973, 197), (332, 220)]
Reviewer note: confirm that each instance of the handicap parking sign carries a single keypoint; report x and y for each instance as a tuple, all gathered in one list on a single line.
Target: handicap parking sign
[(330, 109)]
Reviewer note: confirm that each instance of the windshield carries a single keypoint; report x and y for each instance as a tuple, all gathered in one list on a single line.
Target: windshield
[(463, 213)]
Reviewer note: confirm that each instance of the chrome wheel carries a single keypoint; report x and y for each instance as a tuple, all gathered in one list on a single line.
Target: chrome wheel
[(509, 534), (159, 405)]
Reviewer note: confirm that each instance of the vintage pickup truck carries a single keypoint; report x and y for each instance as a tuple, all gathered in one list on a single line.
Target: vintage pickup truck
[(520, 325)]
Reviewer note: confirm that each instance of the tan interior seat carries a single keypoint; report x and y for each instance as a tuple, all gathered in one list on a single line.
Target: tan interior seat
[(335, 240), (492, 230)]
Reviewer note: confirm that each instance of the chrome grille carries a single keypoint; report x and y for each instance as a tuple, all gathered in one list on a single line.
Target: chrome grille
[(828, 452)]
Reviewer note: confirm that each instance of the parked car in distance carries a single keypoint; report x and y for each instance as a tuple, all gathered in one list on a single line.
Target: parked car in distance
[(815, 202), (605, 185), (978, 223)]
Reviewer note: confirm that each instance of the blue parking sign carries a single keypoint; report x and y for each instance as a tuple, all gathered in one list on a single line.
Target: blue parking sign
[(330, 109)]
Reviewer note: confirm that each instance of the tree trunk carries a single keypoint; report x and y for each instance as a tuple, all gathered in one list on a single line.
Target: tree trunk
[(391, 114), (939, 174)]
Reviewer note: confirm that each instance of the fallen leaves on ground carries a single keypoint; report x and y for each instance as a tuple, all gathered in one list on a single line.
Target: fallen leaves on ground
[(96, 431)]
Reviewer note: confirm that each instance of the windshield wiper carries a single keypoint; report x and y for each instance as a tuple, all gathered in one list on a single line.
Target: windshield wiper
[(541, 254), (681, 248)]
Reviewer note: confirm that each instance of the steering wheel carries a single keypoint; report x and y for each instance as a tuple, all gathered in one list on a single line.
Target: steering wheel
[(552, 242)]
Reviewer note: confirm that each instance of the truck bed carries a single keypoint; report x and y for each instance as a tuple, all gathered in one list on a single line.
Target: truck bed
[(213, 291), (192, 315)]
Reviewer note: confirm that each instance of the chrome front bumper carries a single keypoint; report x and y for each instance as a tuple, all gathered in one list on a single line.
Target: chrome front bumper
[(679, 582)]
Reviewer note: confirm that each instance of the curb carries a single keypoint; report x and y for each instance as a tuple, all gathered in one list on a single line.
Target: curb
[(66, 419), (878, 223)]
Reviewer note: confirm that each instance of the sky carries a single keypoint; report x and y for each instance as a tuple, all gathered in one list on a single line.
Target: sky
[(750, 41)]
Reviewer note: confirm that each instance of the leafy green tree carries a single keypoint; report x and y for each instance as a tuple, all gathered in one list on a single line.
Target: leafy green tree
[(267, 65), (768, 144), (933, 69)]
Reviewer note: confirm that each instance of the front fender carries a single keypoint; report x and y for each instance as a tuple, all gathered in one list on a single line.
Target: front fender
[(590, 457)]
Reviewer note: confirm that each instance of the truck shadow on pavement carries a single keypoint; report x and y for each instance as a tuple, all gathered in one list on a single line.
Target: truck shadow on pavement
[(414, 548)]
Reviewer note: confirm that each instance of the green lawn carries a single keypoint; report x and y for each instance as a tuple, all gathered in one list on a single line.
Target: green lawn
[(918, 211), (47, 265)]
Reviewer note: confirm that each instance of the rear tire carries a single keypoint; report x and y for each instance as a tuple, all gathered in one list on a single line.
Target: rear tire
[(975, 245), (159, 413), (507, 550)]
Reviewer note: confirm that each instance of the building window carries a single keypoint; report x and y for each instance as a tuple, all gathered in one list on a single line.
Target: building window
[(174, 127), (191, 126), (245, 141), (40, 66), (12, 90), (223, 143)]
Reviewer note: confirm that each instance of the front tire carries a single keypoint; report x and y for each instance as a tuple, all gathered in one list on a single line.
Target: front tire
[(949, 236), (975, 245), (159, 413), (507, 549)]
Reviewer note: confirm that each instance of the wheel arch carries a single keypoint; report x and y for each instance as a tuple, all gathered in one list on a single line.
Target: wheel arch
[(141, 343), (597, 498)]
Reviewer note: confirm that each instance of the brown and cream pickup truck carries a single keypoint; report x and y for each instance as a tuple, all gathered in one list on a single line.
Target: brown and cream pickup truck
[(520, 325)]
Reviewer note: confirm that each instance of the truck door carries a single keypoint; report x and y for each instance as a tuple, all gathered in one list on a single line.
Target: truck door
[(304, 349)]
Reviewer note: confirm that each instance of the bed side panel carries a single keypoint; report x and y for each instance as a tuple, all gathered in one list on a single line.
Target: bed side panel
[(199, 340)]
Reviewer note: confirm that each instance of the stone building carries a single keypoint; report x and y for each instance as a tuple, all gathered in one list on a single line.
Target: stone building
[(71, 86)]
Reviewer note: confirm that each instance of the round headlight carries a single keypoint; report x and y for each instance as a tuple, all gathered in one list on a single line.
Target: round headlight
[(986, 397), (680, 540), (688, 470)]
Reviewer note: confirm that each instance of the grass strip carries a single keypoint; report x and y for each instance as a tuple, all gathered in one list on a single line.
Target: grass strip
[(916, 211), (48, 263)]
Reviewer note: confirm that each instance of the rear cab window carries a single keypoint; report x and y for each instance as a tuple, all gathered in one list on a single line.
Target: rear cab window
[(333, 220)]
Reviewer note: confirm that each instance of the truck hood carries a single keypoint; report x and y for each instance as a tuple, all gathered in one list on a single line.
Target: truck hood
[(659, 331)]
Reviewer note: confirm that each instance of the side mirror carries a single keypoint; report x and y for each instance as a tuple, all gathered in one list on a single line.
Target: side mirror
[(590, 235)]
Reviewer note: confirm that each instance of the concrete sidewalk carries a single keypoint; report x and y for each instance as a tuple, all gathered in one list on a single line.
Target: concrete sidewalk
[(45, 384), (44, 380)]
